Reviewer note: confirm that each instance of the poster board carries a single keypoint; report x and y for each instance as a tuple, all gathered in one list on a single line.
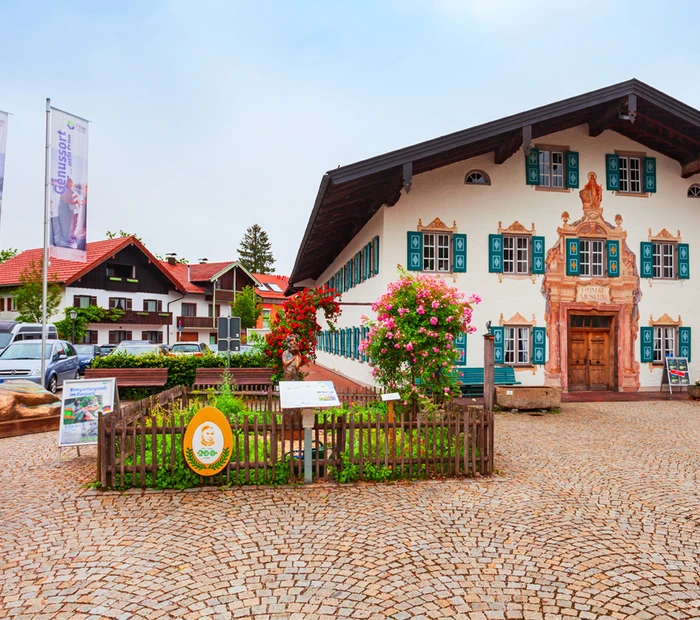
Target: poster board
[(308, 394), (82, 403), (677, 372)]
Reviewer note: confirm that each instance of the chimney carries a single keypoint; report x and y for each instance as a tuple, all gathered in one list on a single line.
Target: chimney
[(171, 258), (202, 261)]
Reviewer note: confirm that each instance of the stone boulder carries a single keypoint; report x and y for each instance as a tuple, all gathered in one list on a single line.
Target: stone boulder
[(22, 400)]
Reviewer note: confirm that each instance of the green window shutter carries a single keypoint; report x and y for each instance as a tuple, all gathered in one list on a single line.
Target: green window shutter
[(646, 341), (349, 343), (337, 343), (342, 342), (356, 350), (367, 267), (459, 247), (363, 335), (571, 159), (499, 348), (646, 259), (573, 267), (613, 258), (684, 342), (358, 271), (539, 345), (376, 255), (415, 251), (327, 345), (331, 282), (538, 262), (650, 175), (495, 253), (532, 167), (683, 250), (461, 346), (612, 172)]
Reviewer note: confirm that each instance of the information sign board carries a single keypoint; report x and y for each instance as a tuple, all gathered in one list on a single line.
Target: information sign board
[(308, 394), (677, 371), (81, 404), (391, 396)]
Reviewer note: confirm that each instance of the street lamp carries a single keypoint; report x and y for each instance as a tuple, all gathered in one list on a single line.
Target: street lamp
[(73, 315)]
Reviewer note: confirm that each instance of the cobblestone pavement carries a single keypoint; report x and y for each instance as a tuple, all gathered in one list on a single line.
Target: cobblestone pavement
[(597, 515)]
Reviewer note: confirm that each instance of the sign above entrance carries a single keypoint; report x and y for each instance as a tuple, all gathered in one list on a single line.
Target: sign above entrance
[(593, 293)]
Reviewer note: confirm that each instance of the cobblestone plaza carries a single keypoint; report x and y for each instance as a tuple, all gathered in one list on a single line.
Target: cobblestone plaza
[(595, 514)]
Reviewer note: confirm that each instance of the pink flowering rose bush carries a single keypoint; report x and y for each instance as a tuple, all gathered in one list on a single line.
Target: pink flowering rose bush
[(411, 344)]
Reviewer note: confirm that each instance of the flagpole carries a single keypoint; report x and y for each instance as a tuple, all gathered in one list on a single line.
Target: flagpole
[(45, 265)]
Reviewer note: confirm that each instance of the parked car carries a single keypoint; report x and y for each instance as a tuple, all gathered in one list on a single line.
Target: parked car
[(22, 360), (107, 348), (11, 331), (87, 353), (140, 347), (245, 348), (190, 348)]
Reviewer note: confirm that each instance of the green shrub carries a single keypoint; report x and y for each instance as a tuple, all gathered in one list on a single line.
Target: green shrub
[(181, 368)]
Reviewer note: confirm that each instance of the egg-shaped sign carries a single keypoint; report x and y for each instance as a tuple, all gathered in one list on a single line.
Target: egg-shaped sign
[(208, 442)]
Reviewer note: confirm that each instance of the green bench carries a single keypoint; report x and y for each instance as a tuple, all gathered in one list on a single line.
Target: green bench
[(472, 379)]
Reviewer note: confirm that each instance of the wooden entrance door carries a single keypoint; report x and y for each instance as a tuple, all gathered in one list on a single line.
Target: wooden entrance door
[(591, 363)]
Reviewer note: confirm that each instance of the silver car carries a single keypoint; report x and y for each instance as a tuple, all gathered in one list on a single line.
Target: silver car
[(22, 360)]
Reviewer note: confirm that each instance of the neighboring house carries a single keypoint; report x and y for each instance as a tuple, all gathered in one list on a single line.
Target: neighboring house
[(209, 289), (577, 222), (271, 291), (119, 273)]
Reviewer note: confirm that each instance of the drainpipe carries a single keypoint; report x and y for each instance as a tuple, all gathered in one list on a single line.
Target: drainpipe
[(168, 307)]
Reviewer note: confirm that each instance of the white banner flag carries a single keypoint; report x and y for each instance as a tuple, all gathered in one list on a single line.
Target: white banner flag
[(3, 141), (69, 186)]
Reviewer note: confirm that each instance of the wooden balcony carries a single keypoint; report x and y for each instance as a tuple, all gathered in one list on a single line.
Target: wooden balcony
[(136, 317), (196, 322), (222, 296)]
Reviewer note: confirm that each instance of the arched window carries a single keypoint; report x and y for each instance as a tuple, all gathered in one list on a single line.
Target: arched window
[(694, 191), (477, 177)]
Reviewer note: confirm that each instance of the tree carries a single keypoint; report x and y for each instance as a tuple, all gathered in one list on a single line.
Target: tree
[(255, 251), (7, 254), (247, 306), (122, 233), (28, 295)]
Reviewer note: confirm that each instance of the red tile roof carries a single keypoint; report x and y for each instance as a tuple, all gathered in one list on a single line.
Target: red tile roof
[(281, 281), (67, 272)]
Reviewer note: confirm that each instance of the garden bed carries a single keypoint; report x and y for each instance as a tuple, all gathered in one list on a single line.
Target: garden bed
[(141, 444)]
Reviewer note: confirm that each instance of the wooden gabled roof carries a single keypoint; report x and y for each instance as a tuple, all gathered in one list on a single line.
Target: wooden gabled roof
[(350, 195)]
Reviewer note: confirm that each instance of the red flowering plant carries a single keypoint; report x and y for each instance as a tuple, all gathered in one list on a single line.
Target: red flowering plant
[(299, 317), (411, 344)]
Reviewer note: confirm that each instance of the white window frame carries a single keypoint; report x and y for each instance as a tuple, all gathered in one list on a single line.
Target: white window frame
[(665, 342), (477, 177), (694, 191), (551, 161), (266, 318), (631, 173), (592, 258), (516, 345), (516, 254), (664, 260), (437, 252)]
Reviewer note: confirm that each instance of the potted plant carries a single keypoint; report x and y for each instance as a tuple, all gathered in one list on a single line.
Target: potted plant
[(694, 390)]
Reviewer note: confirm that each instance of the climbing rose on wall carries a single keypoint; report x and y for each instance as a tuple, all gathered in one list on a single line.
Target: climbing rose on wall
[(411, 344), (299, 317)]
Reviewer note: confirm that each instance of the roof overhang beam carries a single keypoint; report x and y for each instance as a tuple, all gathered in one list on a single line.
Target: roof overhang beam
[(690, 167), (605, 120), (512, 144)]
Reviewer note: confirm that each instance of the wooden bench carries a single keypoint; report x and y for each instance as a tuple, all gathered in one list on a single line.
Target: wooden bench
[(131, 377), (472, 379), (256, 379)]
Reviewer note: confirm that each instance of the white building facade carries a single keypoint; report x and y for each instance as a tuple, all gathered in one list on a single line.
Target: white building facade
[(576, 223)]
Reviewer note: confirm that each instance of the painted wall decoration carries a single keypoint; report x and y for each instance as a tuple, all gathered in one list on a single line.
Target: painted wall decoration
[(616, 291)]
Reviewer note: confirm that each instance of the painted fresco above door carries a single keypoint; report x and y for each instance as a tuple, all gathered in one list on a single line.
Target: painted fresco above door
[(592, 269)]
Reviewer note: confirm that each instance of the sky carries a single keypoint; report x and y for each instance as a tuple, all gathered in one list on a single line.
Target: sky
[(210, 116)]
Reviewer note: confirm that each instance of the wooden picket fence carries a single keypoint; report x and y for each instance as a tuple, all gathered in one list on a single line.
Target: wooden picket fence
[(145, 437)]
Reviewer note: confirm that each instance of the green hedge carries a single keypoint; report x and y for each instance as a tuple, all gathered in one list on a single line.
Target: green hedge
[(181, 368)]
